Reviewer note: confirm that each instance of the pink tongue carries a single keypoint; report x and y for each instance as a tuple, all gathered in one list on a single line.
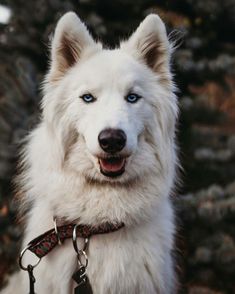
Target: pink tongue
[(112, 166)]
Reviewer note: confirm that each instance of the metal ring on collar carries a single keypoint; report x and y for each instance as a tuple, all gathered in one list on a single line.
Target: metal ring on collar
[(56, 231), (21, 257), (75, 245)]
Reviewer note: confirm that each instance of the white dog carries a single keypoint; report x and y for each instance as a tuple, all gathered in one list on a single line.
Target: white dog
[(104, 152)]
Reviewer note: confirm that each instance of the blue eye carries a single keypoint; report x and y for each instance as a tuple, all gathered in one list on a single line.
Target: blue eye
[(132, 98), (88, 98)]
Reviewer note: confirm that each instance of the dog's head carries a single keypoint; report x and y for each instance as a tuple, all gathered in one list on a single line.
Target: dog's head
[(112, 112)]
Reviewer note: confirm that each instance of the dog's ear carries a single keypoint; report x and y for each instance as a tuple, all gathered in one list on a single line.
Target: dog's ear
[(150, 44), (70, 40)]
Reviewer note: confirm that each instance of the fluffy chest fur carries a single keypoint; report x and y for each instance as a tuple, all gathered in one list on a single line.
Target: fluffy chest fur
[(135, 259)]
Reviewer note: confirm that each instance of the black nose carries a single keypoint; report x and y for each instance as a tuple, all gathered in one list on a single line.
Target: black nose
[(112, 140)]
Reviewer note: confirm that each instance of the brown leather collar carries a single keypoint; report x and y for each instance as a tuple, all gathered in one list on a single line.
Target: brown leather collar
[(44, 243)]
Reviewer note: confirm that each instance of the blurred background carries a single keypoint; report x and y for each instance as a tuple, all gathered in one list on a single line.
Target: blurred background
[(204, 67)]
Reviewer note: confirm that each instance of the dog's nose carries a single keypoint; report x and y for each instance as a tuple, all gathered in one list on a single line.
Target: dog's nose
[(112, 140)]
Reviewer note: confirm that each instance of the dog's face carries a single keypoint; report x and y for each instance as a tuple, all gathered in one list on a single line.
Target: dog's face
[(110, 110), (113, 111)]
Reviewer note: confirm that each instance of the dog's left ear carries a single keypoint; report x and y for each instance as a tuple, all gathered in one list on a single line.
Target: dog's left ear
[(149, 43), (71, 40)]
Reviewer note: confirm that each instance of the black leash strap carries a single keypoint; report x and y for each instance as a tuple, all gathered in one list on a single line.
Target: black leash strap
[(32, 279)]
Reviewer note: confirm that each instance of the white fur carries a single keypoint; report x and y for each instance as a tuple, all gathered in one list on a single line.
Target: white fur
[(61, 174)]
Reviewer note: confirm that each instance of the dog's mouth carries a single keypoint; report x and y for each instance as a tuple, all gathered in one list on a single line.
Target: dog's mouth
[(112, 166)]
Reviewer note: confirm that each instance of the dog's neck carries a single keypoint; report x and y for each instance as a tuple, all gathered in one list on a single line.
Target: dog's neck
[(98, 203), (70, 195)]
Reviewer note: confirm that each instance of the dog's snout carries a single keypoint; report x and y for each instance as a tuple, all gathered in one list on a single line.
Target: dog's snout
[(112, 140)]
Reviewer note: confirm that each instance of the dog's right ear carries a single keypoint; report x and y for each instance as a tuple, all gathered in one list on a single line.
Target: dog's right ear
[(70, 40), (149, 43)]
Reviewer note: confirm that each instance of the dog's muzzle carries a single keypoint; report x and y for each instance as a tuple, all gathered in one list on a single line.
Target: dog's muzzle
[(112, 141)]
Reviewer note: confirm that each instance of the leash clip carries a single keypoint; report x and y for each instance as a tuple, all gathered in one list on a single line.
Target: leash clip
[(80, 276), (24, 268), (81, 253)]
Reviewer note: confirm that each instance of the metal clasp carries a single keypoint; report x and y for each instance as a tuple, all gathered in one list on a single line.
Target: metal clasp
[(29, 269), (81, 253)]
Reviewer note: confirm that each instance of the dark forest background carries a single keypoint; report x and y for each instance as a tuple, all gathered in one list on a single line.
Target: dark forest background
[(204, 67)]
